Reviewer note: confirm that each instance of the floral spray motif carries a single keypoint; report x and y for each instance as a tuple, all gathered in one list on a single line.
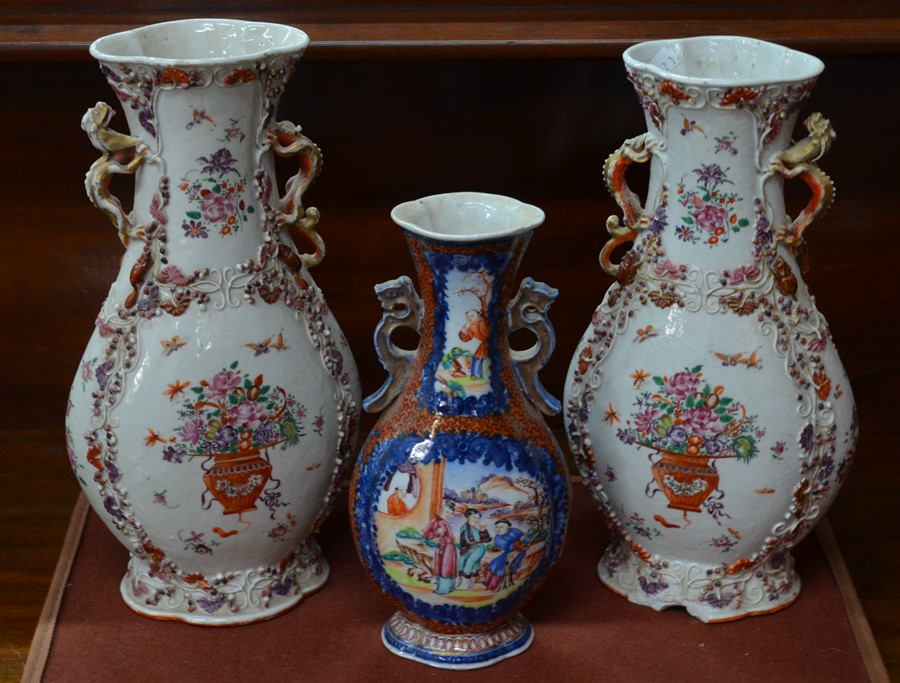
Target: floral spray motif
[(231, 419), (711, 467), (689, 422), (710, 215), (216, 195), (689, 417), (188, 427)]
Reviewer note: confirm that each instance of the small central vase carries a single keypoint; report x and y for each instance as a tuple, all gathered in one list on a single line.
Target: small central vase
[(460, 497)]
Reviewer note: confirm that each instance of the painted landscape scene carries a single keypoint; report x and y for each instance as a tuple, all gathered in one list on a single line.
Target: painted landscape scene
[(461, 533)]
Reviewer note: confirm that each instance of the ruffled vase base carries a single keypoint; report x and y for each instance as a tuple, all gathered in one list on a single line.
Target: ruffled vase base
[(458, 650), (712, 594), (226, 599)]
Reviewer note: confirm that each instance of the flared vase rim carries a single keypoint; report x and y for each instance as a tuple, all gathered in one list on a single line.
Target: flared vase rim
[(137, 47), (419, 216), (794, 66)]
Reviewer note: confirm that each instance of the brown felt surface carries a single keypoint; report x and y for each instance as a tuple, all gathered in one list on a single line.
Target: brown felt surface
[(583, 631)]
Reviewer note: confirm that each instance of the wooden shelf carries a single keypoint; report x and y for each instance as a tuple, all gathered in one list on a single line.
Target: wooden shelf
[(498, 33)]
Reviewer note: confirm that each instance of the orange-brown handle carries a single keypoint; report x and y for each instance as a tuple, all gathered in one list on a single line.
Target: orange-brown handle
[(286, 141), (798, 161), (614, 170)]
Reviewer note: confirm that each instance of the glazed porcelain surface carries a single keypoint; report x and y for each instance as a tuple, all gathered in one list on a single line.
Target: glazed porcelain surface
[(217, 399), (459, 499), (706, 405)]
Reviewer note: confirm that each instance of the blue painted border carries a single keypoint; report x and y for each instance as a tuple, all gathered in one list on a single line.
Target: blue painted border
[(442, 260), (503, 452)]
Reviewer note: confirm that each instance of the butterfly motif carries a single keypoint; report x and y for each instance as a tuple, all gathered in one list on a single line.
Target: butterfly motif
[(170, 346), (731, 361), (279, 344), (198, 116), (688, 126), (153, 438), (261, 348), (645, 333), (267, 345)]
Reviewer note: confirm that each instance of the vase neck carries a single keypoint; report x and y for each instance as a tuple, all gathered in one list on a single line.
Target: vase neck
[(463, 362), (206, 132), (714, 199)]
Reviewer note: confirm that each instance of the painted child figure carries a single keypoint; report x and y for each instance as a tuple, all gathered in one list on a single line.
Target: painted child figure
[(476, 327)]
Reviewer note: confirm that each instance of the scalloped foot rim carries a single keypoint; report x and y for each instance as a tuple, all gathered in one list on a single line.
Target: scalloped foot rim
[(243, 597), (198, 617), (202, 619), (456, 651), (707, 593)]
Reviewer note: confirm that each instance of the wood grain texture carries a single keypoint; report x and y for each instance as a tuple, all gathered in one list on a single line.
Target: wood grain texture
[(57, 31), (537, 129)]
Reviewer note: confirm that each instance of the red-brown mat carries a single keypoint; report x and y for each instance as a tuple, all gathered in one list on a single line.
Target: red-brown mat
[(583, 632)]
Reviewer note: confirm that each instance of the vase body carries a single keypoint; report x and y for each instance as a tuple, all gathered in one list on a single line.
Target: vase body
[(217, 398), (706, 406), (459, 499)]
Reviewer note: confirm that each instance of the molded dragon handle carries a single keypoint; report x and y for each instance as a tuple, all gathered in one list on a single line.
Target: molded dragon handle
[(120, 154), (402, 308), (286, 141), (528, 310), (799, 161), (633, 150)]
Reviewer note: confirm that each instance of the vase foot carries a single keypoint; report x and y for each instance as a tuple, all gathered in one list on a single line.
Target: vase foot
[(459, 650), (230, 598), (711, 593)]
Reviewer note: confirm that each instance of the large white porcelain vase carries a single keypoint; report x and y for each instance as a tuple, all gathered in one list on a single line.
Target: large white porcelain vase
[(706, 405), (217, 398)]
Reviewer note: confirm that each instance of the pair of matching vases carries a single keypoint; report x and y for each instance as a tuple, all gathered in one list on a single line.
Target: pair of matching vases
[(214, 414)]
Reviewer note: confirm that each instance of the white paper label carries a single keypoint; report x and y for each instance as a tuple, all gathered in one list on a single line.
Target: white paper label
[(666, 59)]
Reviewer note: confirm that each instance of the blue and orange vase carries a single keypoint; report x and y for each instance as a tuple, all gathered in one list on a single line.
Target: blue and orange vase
[(460, 497)]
